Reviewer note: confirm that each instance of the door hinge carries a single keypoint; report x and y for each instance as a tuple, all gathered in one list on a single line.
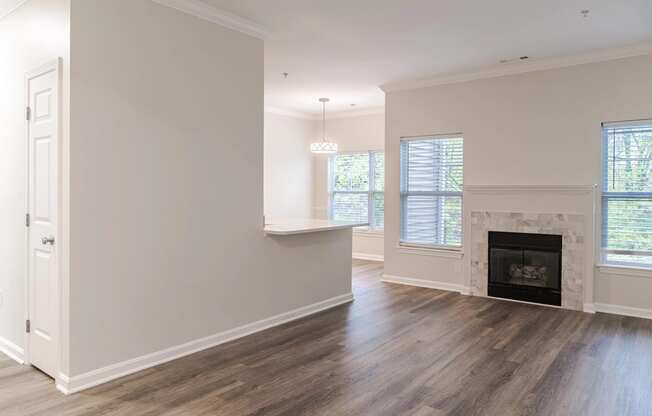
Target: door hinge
[(28, 113), (28, 326), (27, 220)]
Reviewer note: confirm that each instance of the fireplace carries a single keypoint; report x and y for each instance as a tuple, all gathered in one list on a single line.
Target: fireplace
[(525, 267)]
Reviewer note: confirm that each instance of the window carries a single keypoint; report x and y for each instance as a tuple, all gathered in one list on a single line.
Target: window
[(627, 194), (432, 175), (357, 184)]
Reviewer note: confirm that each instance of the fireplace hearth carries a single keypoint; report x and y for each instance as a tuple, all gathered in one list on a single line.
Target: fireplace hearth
[(526, 267)]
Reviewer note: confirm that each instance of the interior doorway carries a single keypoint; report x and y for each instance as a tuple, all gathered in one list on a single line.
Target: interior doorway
[(43, 92)]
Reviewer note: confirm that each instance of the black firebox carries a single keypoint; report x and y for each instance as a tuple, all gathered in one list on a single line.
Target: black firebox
[(525, 267)]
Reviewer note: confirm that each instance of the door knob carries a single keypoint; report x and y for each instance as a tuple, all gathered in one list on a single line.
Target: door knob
[(48, 240)]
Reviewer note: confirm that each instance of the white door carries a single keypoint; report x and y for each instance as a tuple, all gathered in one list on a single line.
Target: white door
[(43, 289)]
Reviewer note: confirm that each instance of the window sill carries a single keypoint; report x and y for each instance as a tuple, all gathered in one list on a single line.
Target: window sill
[(423, 250), (625, 270), (368, 232)]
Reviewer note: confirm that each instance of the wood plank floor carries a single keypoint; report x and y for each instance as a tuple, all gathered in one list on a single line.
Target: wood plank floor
[(397, 350)]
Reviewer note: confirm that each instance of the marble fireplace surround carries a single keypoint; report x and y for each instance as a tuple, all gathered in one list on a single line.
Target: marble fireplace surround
[(569, 226)]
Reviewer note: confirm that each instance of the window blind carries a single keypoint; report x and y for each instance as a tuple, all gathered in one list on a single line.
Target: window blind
[(357, 188), (432, 175), (627, 194), (377, 197)]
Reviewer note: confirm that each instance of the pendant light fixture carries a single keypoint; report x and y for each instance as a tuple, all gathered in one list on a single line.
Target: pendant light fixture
[(325, 146)]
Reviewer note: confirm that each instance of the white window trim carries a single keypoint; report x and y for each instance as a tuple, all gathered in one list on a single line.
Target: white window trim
[(623, 268), (369, 232), (371, 193), (453, 252), (628, 271), (409, 246), (433, 136)]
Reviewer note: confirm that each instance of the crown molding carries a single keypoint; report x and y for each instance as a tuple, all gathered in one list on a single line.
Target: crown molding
[(329, 116), (198, 9), (495, 71), (213, 14), (12, 9)]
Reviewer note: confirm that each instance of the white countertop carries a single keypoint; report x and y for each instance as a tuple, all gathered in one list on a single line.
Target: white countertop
[(308, 226)]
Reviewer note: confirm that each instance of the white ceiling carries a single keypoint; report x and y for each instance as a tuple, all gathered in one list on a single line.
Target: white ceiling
[(345, 49)]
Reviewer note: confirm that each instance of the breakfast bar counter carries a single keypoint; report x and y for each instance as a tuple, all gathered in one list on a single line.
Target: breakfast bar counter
[(292, 227)]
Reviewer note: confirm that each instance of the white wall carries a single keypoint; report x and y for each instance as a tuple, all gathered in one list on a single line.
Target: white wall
[(352, 134), (33, 35), (538, 128), (166, 190), (288, 167)]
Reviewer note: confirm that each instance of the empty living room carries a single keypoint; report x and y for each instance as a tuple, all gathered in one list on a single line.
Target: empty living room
[(325, 208)]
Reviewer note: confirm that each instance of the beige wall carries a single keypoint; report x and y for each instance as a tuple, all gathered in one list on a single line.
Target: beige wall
[(538, 128), (167, 188), (31, 36), (288, 167), (624, 288), (353, 134)]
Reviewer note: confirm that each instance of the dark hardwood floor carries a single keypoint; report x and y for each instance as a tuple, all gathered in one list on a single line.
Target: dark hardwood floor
[(397, 350)]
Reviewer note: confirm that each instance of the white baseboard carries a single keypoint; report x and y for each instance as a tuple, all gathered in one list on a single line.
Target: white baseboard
[(430, 284), (589, 308), (370, 257), (623, 310), (466, 291), (12, 351), (69, 385)]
